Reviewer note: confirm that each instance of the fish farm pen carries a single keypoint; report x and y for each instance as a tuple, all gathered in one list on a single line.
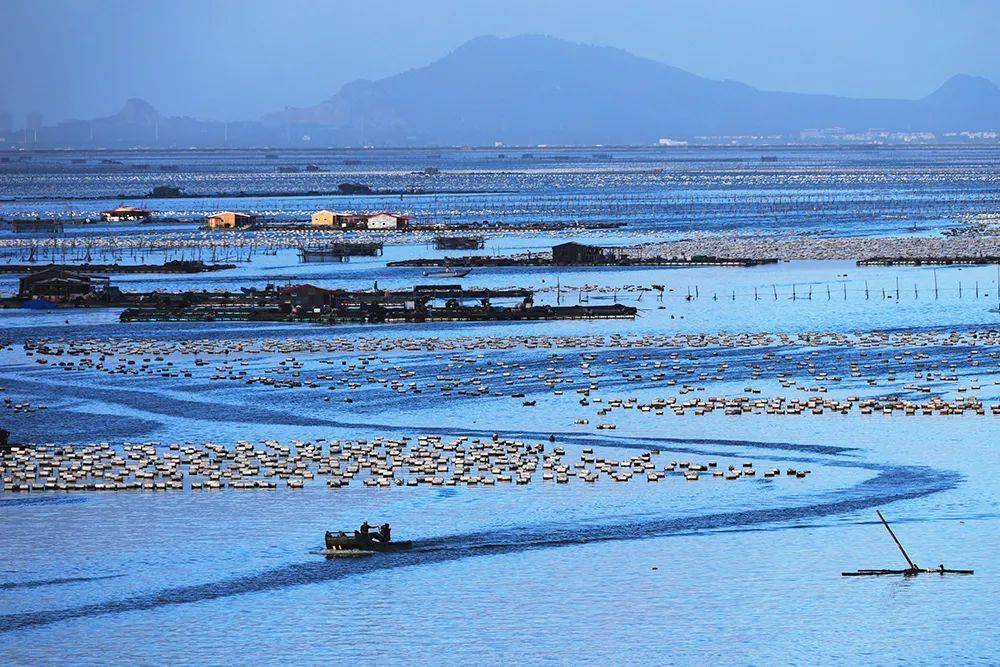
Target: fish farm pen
[(340, 252), (378, 313), (175, 266), (36, 226), (459, 242)]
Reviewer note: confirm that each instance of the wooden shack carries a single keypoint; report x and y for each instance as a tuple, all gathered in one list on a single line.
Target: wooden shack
[(310, 299), (326, 218), (337, 220), (566, 254), (229, 220), (459, 242), (37, 226), (58, 284), (386, 220)]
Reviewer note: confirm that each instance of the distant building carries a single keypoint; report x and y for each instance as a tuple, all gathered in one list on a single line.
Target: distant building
[(576, 253), (50, 226), (326, 218), (126, 214), (459, 242), (58, 284), (381, 220), (568, 254), (310, 298), (385, 220), (229, 220), (339, 220)]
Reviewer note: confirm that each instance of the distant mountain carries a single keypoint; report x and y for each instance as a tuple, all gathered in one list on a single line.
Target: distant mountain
[(530, 90), (139, 124), (135, 112)]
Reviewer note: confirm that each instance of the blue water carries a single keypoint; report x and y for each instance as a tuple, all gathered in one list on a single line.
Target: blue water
[(674, 572)]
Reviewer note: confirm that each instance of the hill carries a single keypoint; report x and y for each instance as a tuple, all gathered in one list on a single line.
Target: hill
[(533, 89), (539, 90)]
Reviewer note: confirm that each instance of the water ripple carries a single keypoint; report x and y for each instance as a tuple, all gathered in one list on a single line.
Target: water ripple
[(891, 484)]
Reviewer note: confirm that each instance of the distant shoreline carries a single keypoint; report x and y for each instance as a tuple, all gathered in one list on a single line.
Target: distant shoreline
[(267, 195)]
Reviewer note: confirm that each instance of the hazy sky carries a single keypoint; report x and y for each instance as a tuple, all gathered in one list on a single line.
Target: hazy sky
[(233, 59)]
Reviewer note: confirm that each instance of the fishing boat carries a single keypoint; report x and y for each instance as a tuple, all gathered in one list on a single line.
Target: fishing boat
[(447, 272), (910, 571), (356, 544)]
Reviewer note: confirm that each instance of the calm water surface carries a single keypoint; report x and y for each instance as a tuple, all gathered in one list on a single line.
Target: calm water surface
[(741, 572)]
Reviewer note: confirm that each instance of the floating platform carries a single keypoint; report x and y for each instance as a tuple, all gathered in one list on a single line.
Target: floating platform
[(339, 252), (474, 261), (194, 266), (908, 572), (381, 314)]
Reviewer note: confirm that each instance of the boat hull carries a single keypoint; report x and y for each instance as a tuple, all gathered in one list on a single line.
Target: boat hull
[(356, 543)]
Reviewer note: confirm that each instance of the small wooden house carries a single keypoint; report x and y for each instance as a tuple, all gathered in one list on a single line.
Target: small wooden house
[(229, 220), (570, 253), (386, 220), (307, 298), (59, 284)]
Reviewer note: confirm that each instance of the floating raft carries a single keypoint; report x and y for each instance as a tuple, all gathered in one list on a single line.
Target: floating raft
[(380, 316), (479, 261), (909, 572), (189, 266), (913, 568)]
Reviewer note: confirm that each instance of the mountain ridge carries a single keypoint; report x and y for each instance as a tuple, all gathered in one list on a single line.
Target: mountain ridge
[(534, 89), (531, 88)]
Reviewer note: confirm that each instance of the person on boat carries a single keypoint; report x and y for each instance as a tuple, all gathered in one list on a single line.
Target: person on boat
[(383, 534), (365, 528)]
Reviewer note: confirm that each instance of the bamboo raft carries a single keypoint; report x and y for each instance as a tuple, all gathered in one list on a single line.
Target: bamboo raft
[(910, 571)]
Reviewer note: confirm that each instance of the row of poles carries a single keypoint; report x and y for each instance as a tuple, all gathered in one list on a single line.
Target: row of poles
[(807, 292)]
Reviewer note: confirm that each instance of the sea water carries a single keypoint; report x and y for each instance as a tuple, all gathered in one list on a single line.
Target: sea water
[(675, 572)]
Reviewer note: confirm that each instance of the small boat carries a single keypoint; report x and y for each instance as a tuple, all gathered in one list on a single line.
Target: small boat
[(447, 272), (342, 544)]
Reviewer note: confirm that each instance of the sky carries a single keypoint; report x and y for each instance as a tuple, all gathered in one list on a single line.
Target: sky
[(239, 59)]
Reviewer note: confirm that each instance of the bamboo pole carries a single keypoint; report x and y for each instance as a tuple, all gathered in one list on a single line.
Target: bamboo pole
[(896, 540)]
